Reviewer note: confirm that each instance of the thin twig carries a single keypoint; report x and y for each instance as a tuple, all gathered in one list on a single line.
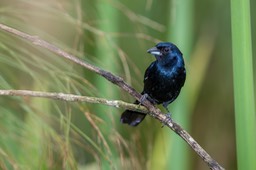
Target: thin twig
[(74, 98), (153, 111)]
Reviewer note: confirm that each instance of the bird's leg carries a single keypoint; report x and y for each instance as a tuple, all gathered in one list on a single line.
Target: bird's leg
[(144, 97), (165, 105), (168, 115)]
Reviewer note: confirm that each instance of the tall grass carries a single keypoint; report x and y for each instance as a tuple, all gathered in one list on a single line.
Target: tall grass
[(106, 54), (38, 132), (243, 84)]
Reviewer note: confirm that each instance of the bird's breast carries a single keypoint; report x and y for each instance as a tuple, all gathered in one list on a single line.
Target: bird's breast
[(164, 84)]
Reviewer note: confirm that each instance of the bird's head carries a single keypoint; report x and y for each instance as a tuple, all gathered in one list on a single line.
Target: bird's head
[(165, 50)]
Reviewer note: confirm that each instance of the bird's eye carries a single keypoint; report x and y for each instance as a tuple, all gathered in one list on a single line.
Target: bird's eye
[(166, 50)]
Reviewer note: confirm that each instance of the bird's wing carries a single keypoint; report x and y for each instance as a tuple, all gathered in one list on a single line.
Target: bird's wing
[(147, 71)]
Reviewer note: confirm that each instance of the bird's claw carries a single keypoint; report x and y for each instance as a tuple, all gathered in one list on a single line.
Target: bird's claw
[(143, 98), (167, 120)]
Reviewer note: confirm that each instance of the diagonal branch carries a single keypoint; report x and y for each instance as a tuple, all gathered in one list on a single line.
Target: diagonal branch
[(153, 111)]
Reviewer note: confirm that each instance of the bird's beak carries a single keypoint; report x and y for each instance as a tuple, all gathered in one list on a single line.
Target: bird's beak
[(154, 51)]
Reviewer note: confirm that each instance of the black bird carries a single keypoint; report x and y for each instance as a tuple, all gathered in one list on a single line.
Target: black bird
[(163, 80)]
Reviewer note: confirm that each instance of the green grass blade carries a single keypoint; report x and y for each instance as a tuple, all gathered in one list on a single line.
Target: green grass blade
[(243, 84), (181, 35), (106, 54), (177, 156)]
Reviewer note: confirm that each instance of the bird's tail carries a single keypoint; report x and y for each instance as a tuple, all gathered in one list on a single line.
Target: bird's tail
[(132, 118)]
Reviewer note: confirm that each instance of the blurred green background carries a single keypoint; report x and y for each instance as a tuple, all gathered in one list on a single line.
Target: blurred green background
[(114, 35)]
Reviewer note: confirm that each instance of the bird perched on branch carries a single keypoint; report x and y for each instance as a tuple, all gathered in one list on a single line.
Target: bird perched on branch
[(163, 80)]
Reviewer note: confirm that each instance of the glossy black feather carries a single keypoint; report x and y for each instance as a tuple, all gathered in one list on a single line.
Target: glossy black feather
[(163, 79)]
